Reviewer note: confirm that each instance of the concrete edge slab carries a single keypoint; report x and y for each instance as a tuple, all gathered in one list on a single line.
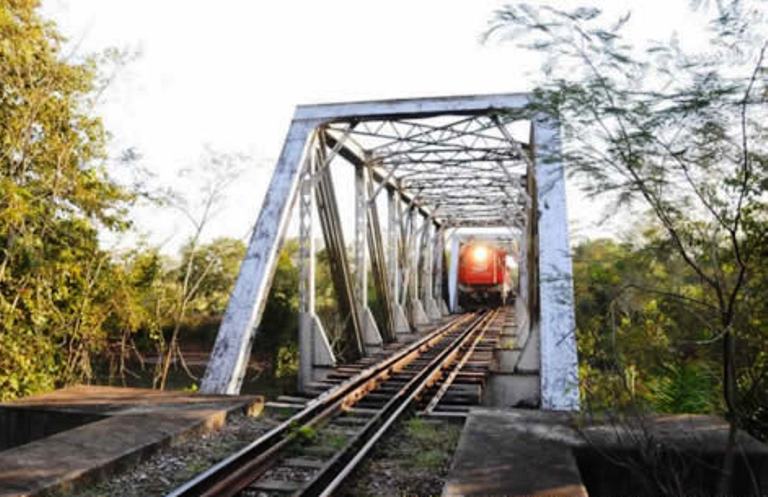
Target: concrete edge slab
[(69, 459), (486, 463), (523, 452)]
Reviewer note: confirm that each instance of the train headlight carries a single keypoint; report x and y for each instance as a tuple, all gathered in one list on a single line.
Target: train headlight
[(479, 254)]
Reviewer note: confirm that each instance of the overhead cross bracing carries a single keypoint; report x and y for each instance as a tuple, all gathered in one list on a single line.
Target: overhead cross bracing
[(443, 163), (462, 170)]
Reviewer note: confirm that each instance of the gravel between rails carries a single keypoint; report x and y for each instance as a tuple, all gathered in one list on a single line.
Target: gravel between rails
[(412, 461), (171, 466)]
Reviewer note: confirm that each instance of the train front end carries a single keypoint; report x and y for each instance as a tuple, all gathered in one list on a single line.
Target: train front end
[(483, 278)]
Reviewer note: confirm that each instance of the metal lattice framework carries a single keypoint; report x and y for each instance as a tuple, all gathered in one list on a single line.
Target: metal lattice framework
[(443, 163), (465, 171)]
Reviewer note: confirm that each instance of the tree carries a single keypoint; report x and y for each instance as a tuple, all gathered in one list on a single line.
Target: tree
[(136, 306), (216, 265), (54, 196), (634, 344), (216, 171), (681, 133)]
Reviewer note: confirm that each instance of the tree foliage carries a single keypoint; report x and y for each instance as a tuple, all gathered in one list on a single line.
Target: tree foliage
[(635, 343), (54, 197), (67, 305), (683, 134)]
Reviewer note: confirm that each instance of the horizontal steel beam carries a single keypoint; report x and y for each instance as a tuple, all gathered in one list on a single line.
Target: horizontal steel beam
[(421, 107)]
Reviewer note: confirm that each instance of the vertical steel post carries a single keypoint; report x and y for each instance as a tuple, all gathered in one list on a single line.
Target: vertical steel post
[(426, 254), (406, 235), (400, 322), (522, 300), (377, 250), (393, 242), (314, 349), (526, 263), (416, 242), (307, 273), (371, 336), (557, 324), (418, 315), (453, 274), (361, 250), (439, 267), (427, 270)]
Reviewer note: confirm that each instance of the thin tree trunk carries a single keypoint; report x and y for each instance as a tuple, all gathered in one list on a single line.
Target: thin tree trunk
[(729, 390), (171, 351), (726, 477)]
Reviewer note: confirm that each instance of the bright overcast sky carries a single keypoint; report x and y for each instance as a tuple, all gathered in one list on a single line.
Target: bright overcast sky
[(229, 73)]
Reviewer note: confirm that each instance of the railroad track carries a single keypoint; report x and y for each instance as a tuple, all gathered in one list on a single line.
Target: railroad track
[(316, 449)]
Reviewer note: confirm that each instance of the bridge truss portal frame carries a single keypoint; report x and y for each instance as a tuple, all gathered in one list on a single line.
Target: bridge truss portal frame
[(464, 171)]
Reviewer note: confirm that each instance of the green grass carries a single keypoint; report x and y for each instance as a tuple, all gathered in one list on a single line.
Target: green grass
[(411, 461), (430, 444), (302, 435), (429, 460), (335, 441)]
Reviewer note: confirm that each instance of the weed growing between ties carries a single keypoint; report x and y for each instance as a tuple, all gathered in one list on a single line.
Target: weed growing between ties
[(412, 461)]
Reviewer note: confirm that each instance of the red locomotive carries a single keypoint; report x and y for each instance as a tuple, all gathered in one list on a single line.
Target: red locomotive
[(483, 275)]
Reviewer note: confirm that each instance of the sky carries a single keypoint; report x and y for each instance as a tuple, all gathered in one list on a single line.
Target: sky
[(228, 74)]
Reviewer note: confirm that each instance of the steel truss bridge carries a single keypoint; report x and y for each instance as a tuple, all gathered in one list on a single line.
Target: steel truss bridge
[(443, 164)]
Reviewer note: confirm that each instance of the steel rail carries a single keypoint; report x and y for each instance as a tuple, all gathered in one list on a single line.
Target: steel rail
[(332, 476), (229, 476), (446, 384)]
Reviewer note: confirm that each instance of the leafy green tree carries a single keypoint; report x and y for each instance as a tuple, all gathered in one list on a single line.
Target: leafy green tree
[(146, 310), (685, 388), (134, 323), (277, 338), (215, 265), (54, 197), (682, 134), (635, 345), (217, 171)]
